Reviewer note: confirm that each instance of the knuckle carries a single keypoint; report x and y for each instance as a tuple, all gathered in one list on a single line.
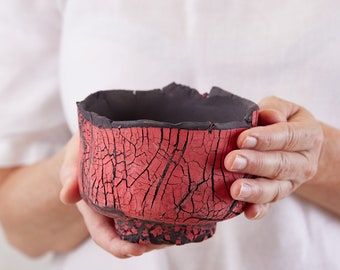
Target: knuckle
[(310, 171), (257, 193), (283, 189), (280, 168), (277, 193), (291, 138), (259, 163), (318, 140), (268, 141)]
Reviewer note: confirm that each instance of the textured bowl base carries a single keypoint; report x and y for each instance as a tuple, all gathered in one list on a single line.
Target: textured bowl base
[(146, 232)]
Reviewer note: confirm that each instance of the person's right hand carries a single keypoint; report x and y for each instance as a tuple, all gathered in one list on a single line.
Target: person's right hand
[(101, 228), (282, 152)]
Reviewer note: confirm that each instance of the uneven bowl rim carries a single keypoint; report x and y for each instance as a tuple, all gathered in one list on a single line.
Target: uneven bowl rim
[(105, 122)]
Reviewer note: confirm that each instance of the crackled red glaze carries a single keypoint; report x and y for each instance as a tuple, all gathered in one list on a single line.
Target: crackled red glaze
[(161, 185)]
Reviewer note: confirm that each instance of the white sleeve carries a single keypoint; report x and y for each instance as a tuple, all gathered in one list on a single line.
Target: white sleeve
[(32, 125)]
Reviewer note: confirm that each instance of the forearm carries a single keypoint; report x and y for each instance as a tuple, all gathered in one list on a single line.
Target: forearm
[(324, 188), (33, 218)]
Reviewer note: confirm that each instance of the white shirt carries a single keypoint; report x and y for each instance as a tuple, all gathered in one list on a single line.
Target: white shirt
[(58, 52)]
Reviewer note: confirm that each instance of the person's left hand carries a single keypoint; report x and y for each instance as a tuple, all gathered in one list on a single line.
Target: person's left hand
[(282, 152), (101, 228)]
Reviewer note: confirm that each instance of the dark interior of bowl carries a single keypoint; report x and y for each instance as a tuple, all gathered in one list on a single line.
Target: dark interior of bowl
[(174, 105)]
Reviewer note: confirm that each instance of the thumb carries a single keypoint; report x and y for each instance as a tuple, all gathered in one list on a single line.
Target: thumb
[(69, 193), (274, 110)]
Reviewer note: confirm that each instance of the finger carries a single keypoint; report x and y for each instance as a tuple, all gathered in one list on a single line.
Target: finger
[(282, 136), (272, 164), (261, 190), (270, 116), (69, 193), (284, 108), (256, 211), (300, 133), (150, 247), (103, 233)]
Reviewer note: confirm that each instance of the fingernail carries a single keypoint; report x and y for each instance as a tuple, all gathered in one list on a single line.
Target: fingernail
[(250, 142), (245, 192), (259, 213), (239, 163)]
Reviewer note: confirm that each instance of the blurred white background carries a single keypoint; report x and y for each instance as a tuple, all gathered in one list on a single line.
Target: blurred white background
[(10, 259)]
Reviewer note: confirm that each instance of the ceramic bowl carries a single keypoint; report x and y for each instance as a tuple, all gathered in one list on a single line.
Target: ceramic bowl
[(153, 160)]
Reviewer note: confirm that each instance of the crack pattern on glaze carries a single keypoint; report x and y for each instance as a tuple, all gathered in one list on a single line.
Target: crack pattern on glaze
[(161, 185)]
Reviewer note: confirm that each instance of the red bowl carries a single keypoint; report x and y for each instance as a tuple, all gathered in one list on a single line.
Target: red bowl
[(153, 160)]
